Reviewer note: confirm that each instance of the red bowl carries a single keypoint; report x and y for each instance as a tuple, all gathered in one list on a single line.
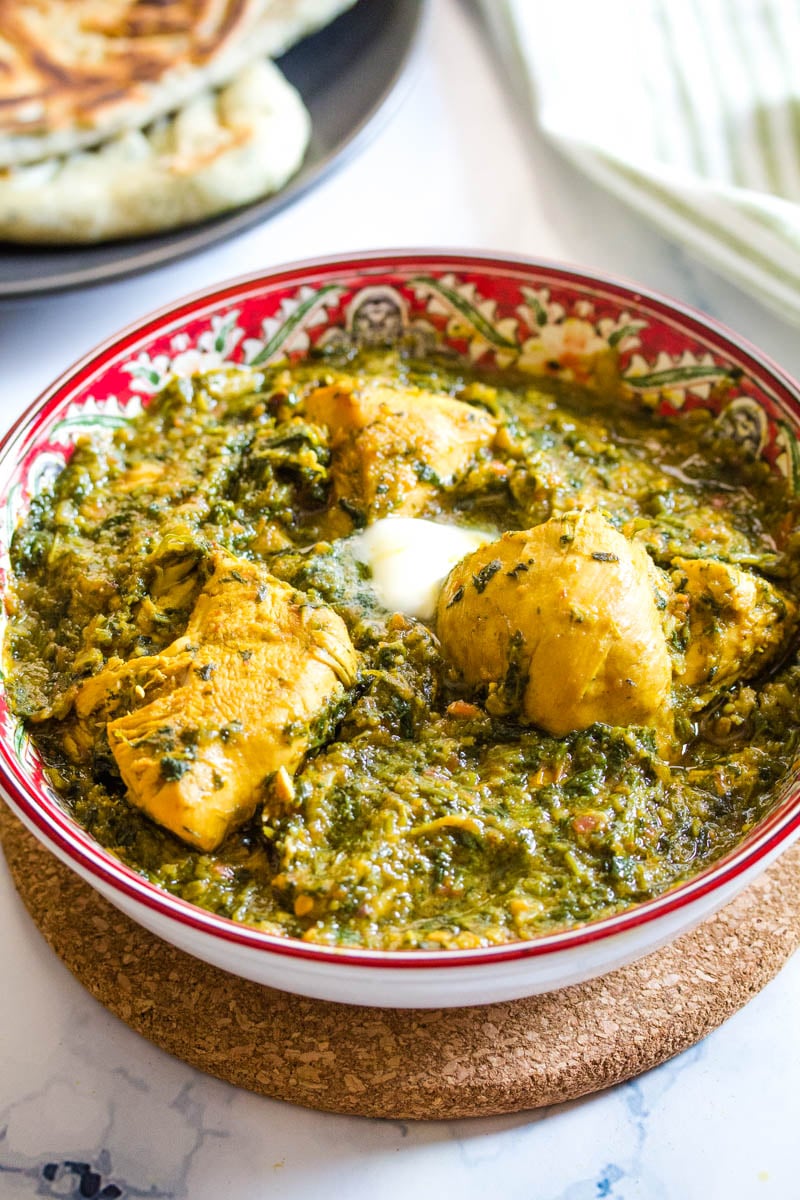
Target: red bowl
[(493, 310)]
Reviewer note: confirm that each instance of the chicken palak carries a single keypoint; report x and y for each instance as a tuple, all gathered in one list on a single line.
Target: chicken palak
[(377, 652)]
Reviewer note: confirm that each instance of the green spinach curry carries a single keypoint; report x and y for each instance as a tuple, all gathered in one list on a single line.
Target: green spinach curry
[(601, 701)]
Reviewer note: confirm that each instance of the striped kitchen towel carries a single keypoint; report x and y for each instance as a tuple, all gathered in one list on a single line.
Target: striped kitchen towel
[(689, 110)]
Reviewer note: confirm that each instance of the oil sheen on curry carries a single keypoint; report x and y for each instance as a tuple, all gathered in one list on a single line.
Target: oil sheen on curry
[(384, 653)]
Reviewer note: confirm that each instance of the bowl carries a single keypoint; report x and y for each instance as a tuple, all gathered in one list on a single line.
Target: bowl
[(493, 310)]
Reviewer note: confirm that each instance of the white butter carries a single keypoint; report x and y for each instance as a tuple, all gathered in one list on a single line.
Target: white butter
[(410, 560)]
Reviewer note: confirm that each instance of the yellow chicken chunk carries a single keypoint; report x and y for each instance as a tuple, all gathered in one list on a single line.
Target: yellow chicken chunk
[(561, 625), (737, 622), (121, 686), (393, 448), (256, 668)]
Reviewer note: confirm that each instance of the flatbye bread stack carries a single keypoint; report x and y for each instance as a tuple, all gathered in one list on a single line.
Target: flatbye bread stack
[(126, 117)]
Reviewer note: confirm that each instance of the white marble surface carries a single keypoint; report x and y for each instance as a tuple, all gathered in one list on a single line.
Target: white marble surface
[(456, 166)]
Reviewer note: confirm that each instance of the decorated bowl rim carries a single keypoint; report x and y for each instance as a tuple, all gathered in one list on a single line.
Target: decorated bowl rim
[(766, 838)]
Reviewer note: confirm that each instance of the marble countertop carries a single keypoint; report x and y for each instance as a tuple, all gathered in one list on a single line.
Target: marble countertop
[(87, 1108)]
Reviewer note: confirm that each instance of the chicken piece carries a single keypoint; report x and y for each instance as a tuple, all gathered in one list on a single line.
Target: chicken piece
[(122, 684), (243, 693), (392, 449), (561, 625), (88, 705), (737, 623)]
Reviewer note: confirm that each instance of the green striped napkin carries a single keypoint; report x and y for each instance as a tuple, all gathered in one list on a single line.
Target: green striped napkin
[(689, 110)]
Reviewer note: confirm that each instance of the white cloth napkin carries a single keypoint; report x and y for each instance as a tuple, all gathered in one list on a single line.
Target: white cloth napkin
[(689, 110)]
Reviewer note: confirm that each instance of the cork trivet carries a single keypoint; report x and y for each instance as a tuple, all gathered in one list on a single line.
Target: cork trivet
[(409, 1064)]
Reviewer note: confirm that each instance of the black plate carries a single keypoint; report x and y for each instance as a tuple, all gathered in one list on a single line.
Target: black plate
[(344, 73)]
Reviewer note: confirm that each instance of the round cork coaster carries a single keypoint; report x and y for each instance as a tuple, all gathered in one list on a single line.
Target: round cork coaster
[(409, 1064)]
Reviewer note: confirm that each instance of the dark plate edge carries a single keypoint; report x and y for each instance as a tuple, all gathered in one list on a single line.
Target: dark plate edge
[(238, 221)]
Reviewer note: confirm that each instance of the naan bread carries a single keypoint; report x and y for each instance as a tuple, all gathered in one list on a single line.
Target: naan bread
[(223, 149), (75, 72)]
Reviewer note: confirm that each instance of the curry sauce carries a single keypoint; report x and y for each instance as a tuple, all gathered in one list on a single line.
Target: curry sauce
[(604, 703)]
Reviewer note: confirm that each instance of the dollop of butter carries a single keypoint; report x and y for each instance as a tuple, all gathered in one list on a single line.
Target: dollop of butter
[(410, 559)]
